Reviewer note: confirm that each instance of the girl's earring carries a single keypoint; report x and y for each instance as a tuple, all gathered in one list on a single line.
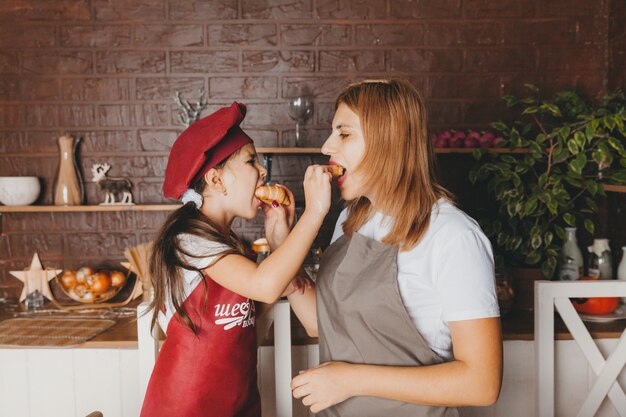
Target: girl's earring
[(225, 192)]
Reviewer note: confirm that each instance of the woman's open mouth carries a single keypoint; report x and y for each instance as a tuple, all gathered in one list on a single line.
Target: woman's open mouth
[(340, 178)]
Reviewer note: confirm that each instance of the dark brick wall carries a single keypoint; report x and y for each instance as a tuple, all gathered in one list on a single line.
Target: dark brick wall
[(107, 70), (617, 44), (616, 216)]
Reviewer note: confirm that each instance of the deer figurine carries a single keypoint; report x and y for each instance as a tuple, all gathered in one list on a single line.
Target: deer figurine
[(112, 186)]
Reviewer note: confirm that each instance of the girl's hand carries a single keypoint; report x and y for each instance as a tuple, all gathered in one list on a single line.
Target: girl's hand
[(278, 221), (299, 283), (317, 190), (323, 386)]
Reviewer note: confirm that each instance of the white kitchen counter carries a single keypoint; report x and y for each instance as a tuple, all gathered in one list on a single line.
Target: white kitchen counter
[(102, 374)]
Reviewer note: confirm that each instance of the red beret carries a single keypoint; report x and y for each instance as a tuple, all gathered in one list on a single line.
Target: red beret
[(203, 145)]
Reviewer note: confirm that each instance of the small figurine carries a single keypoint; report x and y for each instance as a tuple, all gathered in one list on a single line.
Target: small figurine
[(112, 186)]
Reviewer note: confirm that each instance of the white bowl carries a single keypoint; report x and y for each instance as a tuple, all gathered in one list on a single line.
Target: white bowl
[(19, 191)]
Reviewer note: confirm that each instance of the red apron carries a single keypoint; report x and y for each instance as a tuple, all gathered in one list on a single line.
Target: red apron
[(213, 373)]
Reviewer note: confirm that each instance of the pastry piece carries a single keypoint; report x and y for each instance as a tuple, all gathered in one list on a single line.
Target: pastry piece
[(335, 170), (269, 193)]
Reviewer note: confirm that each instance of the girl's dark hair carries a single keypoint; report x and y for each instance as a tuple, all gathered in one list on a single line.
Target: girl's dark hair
[(167, 260)]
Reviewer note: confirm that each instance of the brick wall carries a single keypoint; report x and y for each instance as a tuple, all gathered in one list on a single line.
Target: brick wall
[(617, 79), (107, 70), (617, 44)]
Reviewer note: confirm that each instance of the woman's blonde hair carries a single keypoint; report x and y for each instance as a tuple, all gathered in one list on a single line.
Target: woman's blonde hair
[(398, 166)]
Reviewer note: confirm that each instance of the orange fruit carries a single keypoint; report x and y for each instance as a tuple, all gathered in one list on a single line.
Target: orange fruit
[(595, 305), (99, 282)]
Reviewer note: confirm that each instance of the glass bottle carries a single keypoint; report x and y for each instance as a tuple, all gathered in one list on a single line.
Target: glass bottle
[(68, 190), (33, 301), (571, 258), (504, 292), (600, 262), (621, 269), (34, 297), (263, 321), (312, 262), (261, 248)]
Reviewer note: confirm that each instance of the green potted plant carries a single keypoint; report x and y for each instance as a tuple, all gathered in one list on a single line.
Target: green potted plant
[(569, 148)]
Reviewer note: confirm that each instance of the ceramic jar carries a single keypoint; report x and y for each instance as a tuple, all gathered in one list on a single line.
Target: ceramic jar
[(68, 190)]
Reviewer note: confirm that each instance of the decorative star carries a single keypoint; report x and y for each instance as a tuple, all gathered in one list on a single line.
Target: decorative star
[(36, 278)]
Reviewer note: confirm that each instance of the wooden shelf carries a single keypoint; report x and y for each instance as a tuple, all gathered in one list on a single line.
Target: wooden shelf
[(437, 150), (489, 150), (88, 208), (171, 207), (614, 188), (159, 207), (289, 150)]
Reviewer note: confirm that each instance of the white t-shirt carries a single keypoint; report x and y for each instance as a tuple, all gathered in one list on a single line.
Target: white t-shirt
[(447, 276), (192, 244)]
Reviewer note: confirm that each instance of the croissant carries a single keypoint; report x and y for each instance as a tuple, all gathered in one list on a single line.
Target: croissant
[(335, 170), (269, 193)]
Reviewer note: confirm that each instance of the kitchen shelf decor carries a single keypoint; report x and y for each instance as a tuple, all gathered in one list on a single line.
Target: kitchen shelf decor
[(68, 189), (266, 152), (117, 294), (88, 208), (35, 279), (575, 152), (112, 186), (300, 105)]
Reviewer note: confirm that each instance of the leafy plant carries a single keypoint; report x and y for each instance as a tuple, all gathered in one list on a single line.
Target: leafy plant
[(572, 147)]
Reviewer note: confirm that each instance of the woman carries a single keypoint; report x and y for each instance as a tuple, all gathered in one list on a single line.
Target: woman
[(408, 319)]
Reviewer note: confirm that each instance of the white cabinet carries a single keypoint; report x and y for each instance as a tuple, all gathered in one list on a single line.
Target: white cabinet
[(75, 382), (68, 382), (574, 378)]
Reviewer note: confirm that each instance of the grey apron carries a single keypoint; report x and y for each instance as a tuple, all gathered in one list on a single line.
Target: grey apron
[(361, 319)]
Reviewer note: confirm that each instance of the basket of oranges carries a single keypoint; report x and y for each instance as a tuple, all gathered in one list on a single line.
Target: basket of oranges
[(88, 285)]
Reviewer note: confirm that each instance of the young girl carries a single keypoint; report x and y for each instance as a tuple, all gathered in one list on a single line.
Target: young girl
[(204, 282), (407, 312)]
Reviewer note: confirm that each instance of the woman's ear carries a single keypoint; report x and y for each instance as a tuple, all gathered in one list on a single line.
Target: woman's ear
[(214, 181)]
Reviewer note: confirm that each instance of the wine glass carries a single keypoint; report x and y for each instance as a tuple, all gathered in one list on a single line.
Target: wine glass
[(300, 105), (312, 262)]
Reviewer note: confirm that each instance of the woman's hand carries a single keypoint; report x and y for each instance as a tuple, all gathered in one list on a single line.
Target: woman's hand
[(324, 385), (278, 221), (317, 190)]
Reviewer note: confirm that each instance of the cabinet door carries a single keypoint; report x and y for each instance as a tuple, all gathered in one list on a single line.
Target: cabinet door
[(574, 379), (69, 382), (13, 383)]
